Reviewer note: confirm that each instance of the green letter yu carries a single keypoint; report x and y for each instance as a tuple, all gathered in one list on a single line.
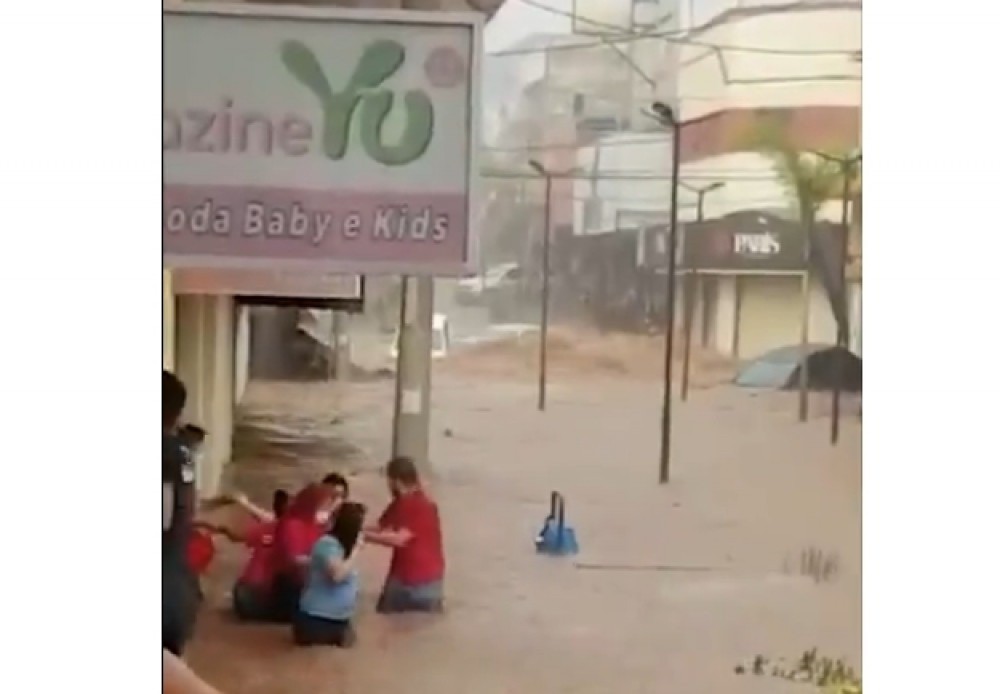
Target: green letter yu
[(380, 61)]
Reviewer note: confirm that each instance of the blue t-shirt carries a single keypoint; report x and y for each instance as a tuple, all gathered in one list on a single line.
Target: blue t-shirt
[(324, 597)]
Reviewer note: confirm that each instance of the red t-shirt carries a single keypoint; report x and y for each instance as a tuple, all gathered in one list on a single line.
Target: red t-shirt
[(295, 538), (263, 563), (421, 560)]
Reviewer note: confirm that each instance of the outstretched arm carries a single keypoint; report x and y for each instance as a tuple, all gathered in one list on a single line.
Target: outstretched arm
[(223, 530), (388, 537), (254, 510)]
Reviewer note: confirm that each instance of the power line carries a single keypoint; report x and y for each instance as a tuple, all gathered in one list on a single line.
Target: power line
[(673, 37), (604, 25), (607, 41), (692, 202), (629, 176), (592, 145)]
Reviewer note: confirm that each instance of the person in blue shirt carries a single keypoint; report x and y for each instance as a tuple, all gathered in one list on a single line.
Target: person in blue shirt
[(330, 597)]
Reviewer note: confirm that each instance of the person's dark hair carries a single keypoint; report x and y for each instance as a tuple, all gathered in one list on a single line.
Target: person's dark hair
[(402, 469), (335, 479), (347, 525), (192, 434), (279, 502), (174, 398)]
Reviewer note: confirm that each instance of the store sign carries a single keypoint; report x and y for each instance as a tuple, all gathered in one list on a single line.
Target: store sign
[(261, 283), (764, 245), (319, 140), (751, 242)]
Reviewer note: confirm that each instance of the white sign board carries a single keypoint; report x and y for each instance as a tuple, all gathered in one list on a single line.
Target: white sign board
[(287, 284), (319, 140)]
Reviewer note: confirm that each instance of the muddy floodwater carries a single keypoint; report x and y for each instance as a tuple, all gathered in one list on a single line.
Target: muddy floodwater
[(673, 587)]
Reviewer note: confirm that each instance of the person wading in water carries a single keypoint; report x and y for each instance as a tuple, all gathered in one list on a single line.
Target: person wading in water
[(180, 584)]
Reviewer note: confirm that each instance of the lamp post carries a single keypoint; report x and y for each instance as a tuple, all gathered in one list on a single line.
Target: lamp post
[(692, 285), (664, 115), (848, 167), (543, 336)]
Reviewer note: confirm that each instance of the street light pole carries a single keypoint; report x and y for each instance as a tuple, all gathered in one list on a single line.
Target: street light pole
[(848, 167), (543, 337), (665, 116), (692, 285)]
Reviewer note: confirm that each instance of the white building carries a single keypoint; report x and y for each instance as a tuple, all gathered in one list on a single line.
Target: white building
[(744, 62)]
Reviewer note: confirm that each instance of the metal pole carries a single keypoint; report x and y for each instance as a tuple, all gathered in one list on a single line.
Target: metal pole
[(690, 285), (543, 337), (398, 394), (668, 351), (843, 330), (804, 328), (411, 434)]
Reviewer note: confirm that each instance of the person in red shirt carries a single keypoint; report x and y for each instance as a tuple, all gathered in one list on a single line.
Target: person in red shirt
[(253, 594), (411, 527), (298, 530)]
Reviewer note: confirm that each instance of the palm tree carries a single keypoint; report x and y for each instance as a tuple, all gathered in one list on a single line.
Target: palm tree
[(811, 181)]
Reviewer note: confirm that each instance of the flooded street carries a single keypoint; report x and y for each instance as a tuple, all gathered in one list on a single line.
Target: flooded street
[(679, 584)]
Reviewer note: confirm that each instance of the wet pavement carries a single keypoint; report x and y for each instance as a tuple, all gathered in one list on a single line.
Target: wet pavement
[(692, 578)]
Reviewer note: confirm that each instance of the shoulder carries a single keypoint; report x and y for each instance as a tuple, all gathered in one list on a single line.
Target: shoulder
[(329, 547), (422, 503)]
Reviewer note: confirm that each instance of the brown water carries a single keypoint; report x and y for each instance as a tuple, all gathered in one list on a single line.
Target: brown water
[(751, 489)]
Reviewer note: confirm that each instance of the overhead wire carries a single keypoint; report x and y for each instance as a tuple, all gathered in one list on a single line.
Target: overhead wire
[(630, 176), (675, 36)]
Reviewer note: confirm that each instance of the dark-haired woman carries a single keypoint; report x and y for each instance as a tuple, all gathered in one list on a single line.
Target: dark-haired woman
[(330, 598), (305, 521)]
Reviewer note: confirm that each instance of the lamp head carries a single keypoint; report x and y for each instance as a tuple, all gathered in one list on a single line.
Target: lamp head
[(539, 169), (663, 112)]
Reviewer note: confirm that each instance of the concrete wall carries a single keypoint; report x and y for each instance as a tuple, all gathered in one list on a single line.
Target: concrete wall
[(206, 364), (169, 326), (242, 354)]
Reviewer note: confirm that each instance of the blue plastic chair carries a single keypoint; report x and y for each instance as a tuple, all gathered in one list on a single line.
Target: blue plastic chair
[(556, 539)]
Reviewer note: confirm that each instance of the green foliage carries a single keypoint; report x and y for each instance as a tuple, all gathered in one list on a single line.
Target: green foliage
[(810, 179)]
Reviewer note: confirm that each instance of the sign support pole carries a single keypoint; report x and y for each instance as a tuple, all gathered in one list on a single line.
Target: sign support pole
[(411, 424)]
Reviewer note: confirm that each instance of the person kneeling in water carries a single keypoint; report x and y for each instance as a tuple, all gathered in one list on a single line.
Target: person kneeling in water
[(411, 526), (254, 593), (330, 597)]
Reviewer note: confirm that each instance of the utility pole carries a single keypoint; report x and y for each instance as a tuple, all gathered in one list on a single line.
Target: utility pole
[(412, 416), (543, 336), (411, 425), (666, 117), (848, 167), (692, 286), (806, 301)]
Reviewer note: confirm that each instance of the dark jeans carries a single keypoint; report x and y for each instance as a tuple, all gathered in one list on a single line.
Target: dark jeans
[(399, 597), (254, 604), (181, 599), (287, 590), (309, 630)]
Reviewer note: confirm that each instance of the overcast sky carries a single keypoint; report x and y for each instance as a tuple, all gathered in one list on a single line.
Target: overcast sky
[(515, 20)]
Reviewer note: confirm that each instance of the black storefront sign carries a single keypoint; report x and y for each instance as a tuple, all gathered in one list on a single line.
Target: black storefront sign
[(753, 242), (761, 243)]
